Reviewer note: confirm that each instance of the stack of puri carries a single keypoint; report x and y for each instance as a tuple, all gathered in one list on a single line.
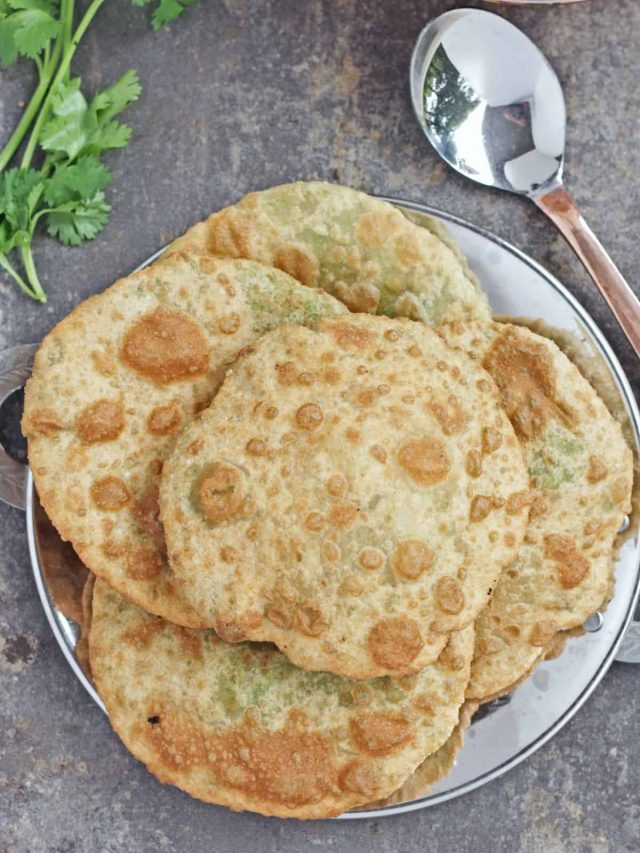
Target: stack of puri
[(330, 505)]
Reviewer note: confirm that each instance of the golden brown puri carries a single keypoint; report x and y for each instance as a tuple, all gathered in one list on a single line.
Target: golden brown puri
[(118, 379), (439, 764), (581, 477), (238, 725), (553, 650), (435, 767), (351, 495), (358, 248)]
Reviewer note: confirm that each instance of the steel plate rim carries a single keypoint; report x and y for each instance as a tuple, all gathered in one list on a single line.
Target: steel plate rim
[(634, 416), (45, 598)]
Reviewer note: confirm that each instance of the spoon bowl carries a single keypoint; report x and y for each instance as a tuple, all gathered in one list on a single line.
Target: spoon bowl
[(488, 101), (493, 108)]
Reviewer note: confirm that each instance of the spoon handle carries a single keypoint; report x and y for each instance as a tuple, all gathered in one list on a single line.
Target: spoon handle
[(562, 211)]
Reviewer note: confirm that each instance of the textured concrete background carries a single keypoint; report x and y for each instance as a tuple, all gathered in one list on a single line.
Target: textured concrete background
[(239, 95)]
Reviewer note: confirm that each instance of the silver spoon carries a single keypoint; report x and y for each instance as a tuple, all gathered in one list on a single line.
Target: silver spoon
[(491, 105)]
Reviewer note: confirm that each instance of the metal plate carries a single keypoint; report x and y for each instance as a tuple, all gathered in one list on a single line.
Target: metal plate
[(497, 741)]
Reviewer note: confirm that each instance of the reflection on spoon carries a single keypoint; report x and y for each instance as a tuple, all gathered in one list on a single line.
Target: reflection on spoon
[(493, 108)]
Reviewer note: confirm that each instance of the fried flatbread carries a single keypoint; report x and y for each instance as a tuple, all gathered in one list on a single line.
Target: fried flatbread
[(359, 248), (351, 495), (581, 475), (238, 725), (115, 382), (435, 767)]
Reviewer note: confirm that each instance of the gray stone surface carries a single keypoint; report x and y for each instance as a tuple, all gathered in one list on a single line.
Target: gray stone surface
[(241, 94)]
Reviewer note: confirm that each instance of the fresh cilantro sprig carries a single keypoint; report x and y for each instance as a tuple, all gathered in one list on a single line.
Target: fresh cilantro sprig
[(166, 10), (66, 132)]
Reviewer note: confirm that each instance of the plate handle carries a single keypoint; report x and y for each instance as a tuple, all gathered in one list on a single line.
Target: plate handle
[(15, 368), (629, 651)]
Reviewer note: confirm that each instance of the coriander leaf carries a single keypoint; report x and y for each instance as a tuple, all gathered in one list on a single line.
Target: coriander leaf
[(65, 132), (51, 7), (8, 48), (7, 237), (68, 100), (80, 181), (166, 10), (112, 100), (6, 234), (17, 195), (76, 221), (114, 134), (33, 196), (35, 22), (78, 127)]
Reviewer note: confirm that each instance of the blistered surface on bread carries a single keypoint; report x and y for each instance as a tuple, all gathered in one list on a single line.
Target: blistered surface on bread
[(435, 767), (359, 248), (351, 495), (581, 477), (240, 726), (117, 380)]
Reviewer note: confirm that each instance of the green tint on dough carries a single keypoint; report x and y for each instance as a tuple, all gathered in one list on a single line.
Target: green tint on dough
[(581, 476), (358, 248), (222, 305), (238, 725), (369, 577)]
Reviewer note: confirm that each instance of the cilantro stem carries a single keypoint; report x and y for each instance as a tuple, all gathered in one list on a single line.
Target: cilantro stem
[(32, 275), (24, 287), (32, 108), (67, 29), (63, 68)]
